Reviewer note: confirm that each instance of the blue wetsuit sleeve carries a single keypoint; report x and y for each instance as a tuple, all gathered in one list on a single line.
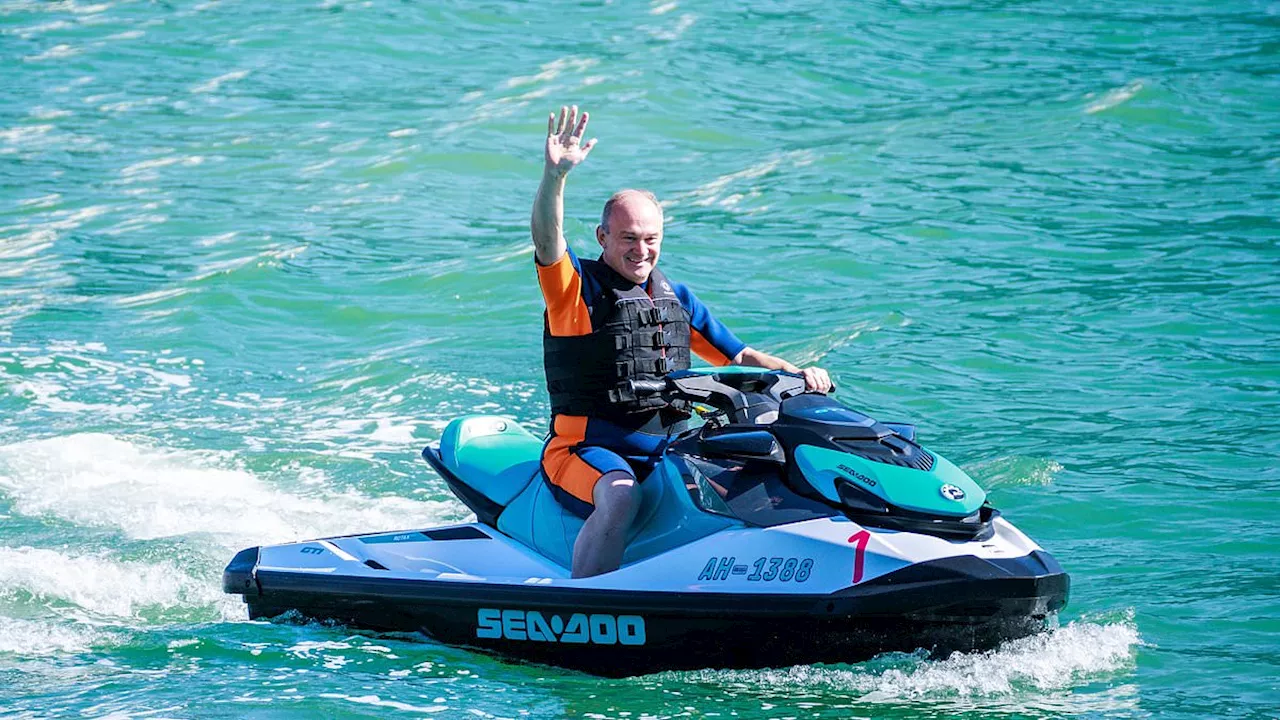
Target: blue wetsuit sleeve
[(709, 338)]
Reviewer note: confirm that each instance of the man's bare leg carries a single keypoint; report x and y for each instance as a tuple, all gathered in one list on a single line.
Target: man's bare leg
[(604, 536)]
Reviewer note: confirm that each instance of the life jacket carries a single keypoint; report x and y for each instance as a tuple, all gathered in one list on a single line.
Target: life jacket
[(635, 336)]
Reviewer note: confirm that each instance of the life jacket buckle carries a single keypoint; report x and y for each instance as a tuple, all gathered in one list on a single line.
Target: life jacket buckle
[(622, 394), (653, 316)]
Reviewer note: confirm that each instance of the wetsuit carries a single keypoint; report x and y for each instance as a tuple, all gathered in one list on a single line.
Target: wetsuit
[(580, 448)]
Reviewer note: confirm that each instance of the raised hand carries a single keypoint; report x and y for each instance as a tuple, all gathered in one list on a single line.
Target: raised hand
[(565, 148)]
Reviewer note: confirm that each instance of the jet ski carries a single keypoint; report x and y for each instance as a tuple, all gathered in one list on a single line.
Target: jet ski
[(786, 528)]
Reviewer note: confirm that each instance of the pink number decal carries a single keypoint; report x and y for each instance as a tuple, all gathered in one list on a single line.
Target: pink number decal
[(859, 541)]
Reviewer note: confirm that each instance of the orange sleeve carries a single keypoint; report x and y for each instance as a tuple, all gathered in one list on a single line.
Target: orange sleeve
[(561, 285), (705, 350)]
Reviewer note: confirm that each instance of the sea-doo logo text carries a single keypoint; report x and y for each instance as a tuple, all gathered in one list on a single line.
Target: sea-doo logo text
[(850, 471), (951, 492), (598, 629)]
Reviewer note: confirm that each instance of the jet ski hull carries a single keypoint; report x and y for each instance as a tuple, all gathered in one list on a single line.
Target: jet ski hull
[(961, 603)]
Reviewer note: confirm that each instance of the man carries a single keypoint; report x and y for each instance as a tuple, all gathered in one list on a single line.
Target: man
[(608, 322)]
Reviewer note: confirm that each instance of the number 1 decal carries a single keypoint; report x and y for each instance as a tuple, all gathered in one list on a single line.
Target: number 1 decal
[(859, 540)]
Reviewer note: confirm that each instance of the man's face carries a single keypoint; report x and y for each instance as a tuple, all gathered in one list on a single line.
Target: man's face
[(634, 241)]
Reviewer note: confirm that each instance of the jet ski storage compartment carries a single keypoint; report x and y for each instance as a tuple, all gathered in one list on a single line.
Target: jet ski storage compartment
[(487, 461)]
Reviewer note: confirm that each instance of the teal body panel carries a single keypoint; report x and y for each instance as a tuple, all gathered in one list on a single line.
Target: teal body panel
[(494, 455), (500, 459), (907, 488)]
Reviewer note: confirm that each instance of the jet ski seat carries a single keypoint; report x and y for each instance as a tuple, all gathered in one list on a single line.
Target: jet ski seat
[(500, 460), (491, 455)]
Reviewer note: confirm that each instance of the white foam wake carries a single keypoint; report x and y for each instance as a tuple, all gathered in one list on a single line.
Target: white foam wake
[(35, 638), (1055, 660), (100, 584), (104, 481), (1049, 661)]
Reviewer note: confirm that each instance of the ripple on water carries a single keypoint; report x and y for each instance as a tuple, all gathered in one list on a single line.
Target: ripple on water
[(210, 86), (1115, 97), (1016, 470)]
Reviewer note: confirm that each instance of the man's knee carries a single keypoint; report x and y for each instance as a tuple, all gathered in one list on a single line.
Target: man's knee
[(617, 494)]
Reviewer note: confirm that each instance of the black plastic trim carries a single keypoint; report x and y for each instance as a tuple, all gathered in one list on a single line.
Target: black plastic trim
[(486, 510), (466, 532), (1035, 575), (238, 577), (977, 526)]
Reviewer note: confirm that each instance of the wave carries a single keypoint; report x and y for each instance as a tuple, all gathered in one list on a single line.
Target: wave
[(100, 480), (36, 638), (102, 585)]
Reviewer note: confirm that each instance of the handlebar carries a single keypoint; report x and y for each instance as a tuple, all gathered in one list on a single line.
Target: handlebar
[(742, 396)]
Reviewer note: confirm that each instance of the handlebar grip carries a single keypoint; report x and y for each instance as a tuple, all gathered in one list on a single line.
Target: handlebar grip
[(648, 387)]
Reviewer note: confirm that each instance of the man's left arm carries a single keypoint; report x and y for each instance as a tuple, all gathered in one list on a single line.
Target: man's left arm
[(716, 344), (815, 378)]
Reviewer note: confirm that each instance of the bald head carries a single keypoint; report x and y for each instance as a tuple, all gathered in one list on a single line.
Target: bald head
[(628, 200)]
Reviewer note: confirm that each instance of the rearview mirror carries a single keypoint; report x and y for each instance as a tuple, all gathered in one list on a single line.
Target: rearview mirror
[(756, 444)]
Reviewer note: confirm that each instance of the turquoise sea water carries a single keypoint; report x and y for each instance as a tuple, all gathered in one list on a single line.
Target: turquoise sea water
[(253, 256)]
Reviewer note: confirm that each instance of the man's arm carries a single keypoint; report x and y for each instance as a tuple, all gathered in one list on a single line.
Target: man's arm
[(564, 151), (716, 344), (547, 223), (815, 378)]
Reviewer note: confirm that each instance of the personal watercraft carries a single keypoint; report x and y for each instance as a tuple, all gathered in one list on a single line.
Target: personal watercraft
[(787, 528)]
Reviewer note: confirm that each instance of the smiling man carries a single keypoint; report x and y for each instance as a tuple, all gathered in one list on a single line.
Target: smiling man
[(609, 322)]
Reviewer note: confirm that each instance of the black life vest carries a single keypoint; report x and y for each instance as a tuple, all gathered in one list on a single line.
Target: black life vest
[(635, 336)]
